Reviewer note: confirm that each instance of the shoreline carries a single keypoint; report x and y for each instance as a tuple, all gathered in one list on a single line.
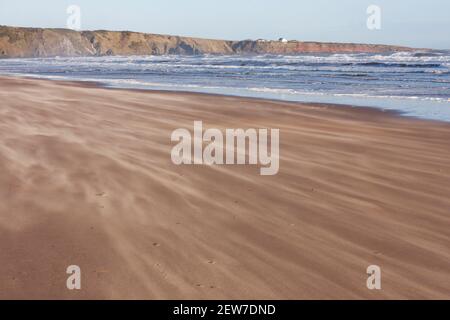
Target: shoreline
[(99, 84), (89, 181)]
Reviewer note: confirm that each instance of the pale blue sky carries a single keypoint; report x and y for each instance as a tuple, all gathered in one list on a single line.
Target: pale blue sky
[(418, 23)]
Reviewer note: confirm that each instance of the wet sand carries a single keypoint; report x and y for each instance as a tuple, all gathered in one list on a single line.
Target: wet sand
[(87, 179)]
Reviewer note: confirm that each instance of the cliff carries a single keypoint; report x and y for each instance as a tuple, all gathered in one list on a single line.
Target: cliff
[(37, 42)]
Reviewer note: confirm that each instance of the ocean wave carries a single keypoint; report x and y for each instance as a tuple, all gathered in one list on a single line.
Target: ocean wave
[(399, 65), (406, 77)]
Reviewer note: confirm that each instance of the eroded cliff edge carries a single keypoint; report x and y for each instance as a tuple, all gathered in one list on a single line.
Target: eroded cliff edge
[(36, 42)]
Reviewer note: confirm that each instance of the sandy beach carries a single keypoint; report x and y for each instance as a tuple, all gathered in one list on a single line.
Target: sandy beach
[(87, 179)]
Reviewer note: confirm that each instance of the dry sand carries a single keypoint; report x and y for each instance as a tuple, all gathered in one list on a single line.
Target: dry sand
[(87, 179)]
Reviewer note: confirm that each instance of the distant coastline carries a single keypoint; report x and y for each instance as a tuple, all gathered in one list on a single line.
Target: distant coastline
[(17, 42)]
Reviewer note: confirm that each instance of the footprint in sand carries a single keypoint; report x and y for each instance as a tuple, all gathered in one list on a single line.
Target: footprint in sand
[(199, 285), (101, 194)]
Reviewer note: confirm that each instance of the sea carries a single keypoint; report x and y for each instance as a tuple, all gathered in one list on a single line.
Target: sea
[(416, 84)]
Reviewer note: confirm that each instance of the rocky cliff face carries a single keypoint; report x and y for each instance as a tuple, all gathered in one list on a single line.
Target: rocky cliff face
[(35, 42)]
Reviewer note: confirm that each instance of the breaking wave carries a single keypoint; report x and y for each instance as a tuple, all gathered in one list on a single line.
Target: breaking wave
[(417, 83)]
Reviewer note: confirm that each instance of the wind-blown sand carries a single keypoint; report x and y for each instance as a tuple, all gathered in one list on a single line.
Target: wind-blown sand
[(87, 179)]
